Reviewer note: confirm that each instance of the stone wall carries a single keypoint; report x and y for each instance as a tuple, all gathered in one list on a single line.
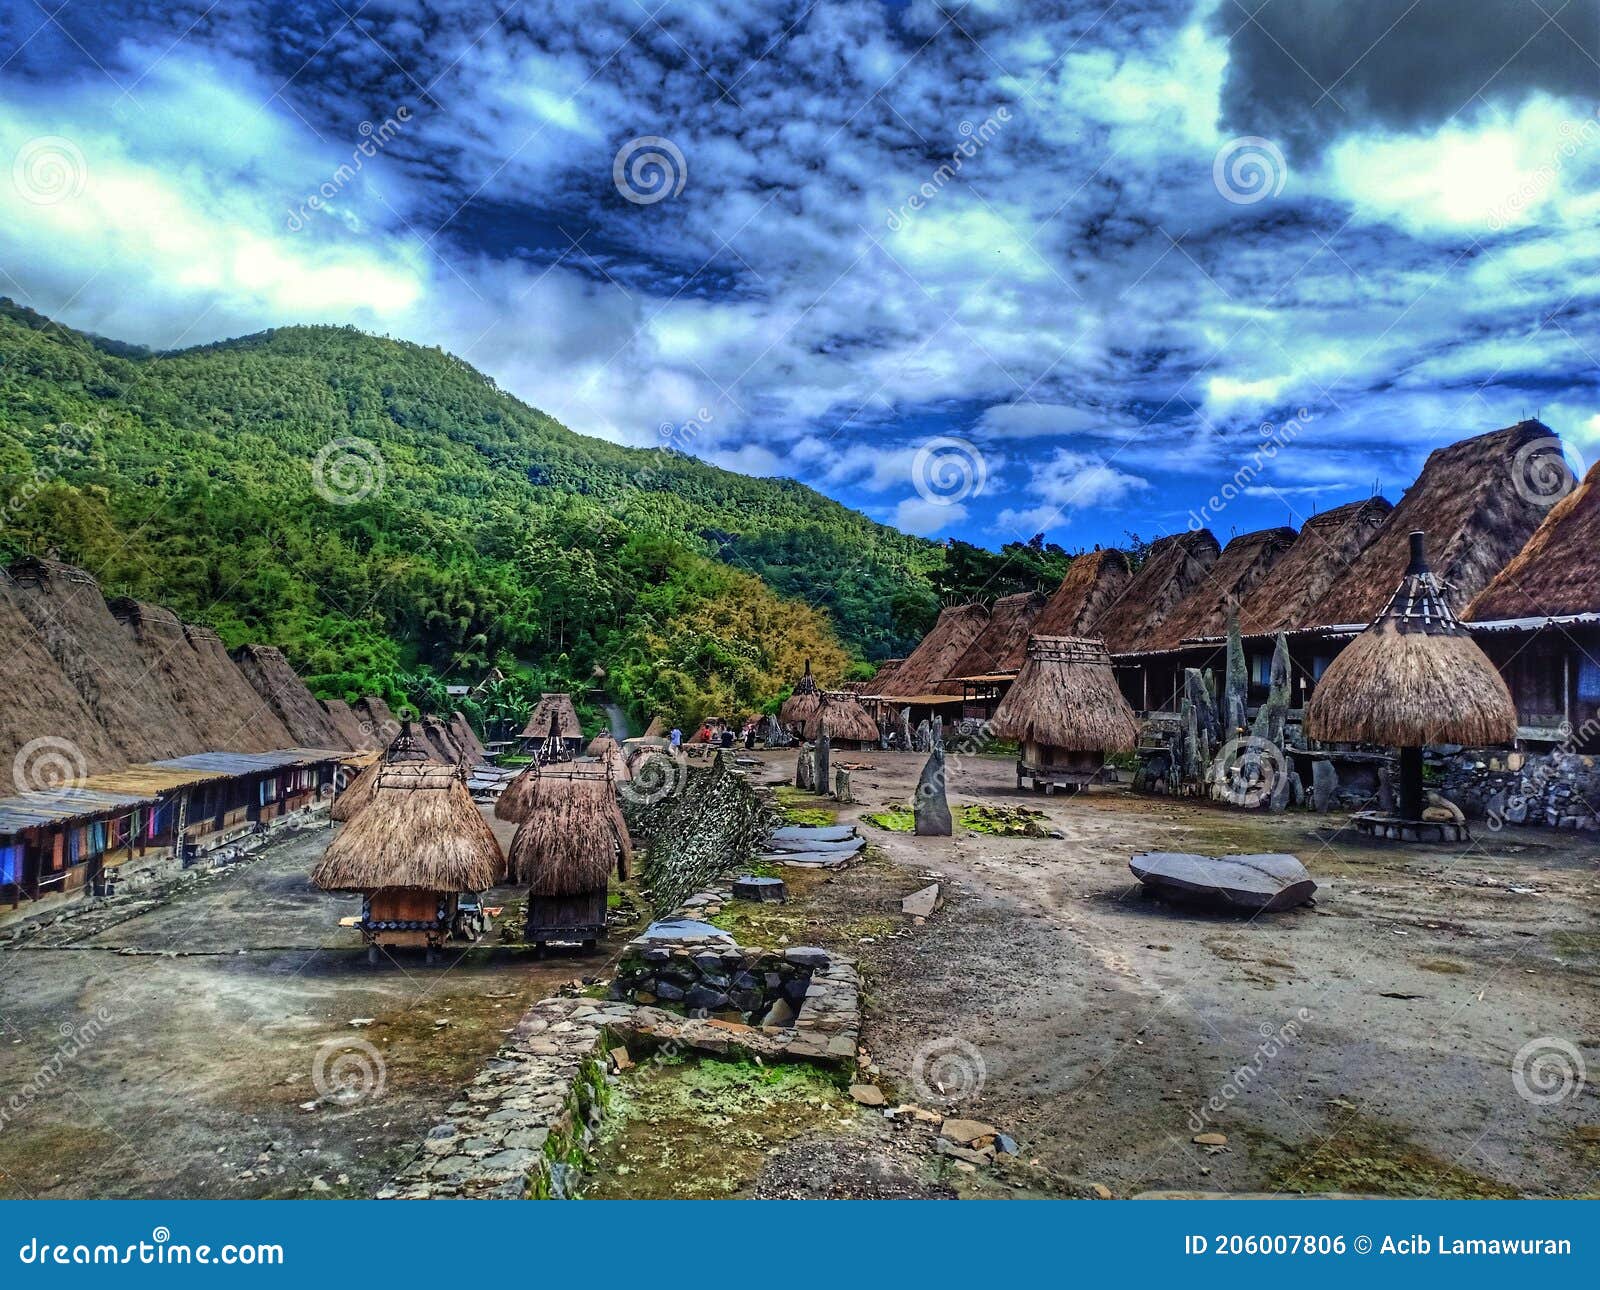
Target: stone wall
[(712, 824), (1560, 790)]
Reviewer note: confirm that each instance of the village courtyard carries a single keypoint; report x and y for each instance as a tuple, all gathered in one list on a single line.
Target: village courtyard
[(1409, 1034)]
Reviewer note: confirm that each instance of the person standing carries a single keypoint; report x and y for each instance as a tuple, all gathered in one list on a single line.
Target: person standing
[(676, 737)]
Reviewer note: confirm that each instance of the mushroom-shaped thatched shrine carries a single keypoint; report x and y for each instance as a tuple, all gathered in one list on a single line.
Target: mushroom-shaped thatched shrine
[(801, 705), (1066, 713), (355, 794), (1412, 679), (564, 852), (417, 846)]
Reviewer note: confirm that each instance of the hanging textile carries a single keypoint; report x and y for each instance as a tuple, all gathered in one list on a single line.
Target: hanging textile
[(10, 864)]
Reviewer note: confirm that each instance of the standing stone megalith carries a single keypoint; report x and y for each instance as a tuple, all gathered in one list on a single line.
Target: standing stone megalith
[(931, 809)]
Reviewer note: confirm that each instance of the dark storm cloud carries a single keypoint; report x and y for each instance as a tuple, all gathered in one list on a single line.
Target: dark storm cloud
[(1306, 71)]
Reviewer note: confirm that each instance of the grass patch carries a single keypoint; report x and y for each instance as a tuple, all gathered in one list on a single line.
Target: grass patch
[(681, 1130), (1372, 1158), (1004, 821), (896, 819), (801, 808)]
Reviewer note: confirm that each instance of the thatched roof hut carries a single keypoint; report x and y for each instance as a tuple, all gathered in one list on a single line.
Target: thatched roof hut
[(881, 678), (840, 716), (351, 732), (925, 669), (377, 720), (158, 637), (217, 675), (269, 673), (466, 739), (40, 700), (1558, 571), (1066, 697), (656, 729), (355, 794), (1292, 593), (1001, 646), (1175, 566), (800, 707), (1471, 499), (439, 739), (1095, 581), (420, 831), (570, 845), (1414, 677), (556, 708), (602, 744), (136, 707), (1244, 562)]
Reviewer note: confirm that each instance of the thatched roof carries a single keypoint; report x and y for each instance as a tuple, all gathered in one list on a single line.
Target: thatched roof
[(268, 671), (839, 716), (1558, 571), (1413, 678), (800, 708), (158, 637), (657, 727), (539, 786), (1095, 580), (1244, 562), (926, 668), (1066, 697), (355, 794), (1292, 593), (135, 705), (439, 739), (257, 726), (377, 720), (1175, 566), (466, 739), (570, 845), (420, 829), (41, 702), (351, 732), (602, 744), (557, 707), (1003, 643), (1470, 499)]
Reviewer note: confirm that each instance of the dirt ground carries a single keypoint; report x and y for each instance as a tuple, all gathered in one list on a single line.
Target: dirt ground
[(192, 1034), (1378, 1031), (1368, 1044)]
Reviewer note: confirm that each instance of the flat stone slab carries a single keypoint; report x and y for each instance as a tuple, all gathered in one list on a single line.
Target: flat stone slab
[(1264, 883), (811, 860), (814, 833), (921, 904), (683, 929), (848, 846)]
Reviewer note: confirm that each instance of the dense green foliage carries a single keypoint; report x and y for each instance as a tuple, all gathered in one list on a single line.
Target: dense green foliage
[(394, 521), (465, 529)]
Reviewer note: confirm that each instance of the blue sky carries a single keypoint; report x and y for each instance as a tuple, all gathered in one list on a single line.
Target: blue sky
[(979, 269)]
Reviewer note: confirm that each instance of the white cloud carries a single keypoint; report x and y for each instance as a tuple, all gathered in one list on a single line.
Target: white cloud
[(928, 519)]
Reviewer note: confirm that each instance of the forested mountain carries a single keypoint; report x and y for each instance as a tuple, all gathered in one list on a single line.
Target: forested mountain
[(384, 512)]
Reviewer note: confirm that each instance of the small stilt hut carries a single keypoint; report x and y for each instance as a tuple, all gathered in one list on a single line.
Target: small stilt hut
[(419, 852), (553, 732), (1413, 678), (564, 851), (1066, 713), (841, 717)]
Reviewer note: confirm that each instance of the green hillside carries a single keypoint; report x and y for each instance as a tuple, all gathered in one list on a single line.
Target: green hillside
[(445, 528)]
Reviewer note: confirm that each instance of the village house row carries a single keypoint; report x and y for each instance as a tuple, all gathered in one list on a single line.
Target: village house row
[(1515, 546)]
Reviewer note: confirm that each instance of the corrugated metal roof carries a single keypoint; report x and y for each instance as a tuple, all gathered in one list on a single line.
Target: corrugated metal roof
[(113, 791), (220, 765), (31, 810)]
